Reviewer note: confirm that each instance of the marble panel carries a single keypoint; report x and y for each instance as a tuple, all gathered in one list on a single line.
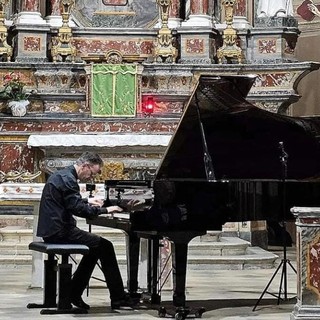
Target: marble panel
[(143, 125), (66, 107), (32, 43), (168, 83), (277, 80), (267, 45), (87, 46), (308, 252), (194, 46), (16, 157)]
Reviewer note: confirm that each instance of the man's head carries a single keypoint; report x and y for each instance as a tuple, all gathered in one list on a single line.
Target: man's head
[(88, 165)]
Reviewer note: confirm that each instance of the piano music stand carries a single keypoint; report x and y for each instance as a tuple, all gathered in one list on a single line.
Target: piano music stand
[(284, 260)]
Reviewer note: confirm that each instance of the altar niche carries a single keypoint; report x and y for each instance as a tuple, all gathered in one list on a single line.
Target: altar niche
[(117, 13)]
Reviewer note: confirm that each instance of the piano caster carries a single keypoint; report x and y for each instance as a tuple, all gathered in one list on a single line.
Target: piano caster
[(181, 313)]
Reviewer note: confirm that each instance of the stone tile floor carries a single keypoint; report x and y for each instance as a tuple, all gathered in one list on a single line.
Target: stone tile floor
[(225, 294)]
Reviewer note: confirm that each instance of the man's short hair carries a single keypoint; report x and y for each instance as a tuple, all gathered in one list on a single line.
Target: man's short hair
[(89, 157)]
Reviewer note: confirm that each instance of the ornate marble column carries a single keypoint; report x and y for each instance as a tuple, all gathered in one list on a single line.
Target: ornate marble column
[(174, 14), (308, 263), (197, 36), (54, 19), (199, 14), (29, 13), (240, 19)]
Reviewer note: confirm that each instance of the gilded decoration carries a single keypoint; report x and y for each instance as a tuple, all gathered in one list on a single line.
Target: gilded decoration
[(16, 176), (230, 49), (5, 49), (62, 48), (112, 170), (164, 48)]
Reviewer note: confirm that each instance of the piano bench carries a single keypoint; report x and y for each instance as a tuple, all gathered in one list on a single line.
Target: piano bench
[(62, 271)]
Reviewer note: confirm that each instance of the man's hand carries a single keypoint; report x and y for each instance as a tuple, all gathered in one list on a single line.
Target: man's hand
[(113, 209), (95, 202), (135, 204)]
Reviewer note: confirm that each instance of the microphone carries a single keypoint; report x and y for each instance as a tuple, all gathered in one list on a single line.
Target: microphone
[(284, 155)]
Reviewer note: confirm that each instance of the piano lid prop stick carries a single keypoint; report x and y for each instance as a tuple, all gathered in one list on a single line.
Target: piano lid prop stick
[(208, 166)]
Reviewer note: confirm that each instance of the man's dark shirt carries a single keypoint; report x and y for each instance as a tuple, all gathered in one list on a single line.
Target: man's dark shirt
[(60, 200)]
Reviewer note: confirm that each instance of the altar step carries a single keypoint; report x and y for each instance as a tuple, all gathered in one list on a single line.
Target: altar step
[(213, 251)]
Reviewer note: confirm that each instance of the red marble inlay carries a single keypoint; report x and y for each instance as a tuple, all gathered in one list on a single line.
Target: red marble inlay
[(313, 276), (241, 8), (31, 43), (175, 9), (273, 80), (55, 7), (16, 157), (94, 46), (309, 220), (199, 6), (194, 46), (106, 126), (30, 5), (267, 45)]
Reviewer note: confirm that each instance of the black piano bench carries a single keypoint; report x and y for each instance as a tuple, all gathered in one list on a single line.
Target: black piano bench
[(62, 271)]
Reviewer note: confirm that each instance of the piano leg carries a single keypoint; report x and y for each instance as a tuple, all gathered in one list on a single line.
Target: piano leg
[(179, 249), (133, 250), (179, 266), (152, 274)]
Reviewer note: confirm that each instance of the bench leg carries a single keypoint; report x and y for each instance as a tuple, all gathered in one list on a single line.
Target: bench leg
[(65, 274), (64, 290), (50, 285), (64, 270)]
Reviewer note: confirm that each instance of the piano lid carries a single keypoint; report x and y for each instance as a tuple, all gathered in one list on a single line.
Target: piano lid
[(244, 141)]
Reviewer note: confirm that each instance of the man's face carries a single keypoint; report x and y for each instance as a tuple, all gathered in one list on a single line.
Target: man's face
[(88, 172)]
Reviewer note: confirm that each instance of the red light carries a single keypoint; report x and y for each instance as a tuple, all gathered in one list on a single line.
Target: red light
[(149, 105)]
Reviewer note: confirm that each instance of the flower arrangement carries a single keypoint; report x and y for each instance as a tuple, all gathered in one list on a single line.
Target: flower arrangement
[(13, 88)]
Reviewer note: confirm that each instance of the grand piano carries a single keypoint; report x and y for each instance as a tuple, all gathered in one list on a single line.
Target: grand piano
[(227, 161)]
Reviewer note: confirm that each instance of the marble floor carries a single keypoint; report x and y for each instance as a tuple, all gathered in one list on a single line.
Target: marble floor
[(225, 294)]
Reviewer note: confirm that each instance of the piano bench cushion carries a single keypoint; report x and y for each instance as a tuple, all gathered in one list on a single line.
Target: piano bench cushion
[(57, 248)]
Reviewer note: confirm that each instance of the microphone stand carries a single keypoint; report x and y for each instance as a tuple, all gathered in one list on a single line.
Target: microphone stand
[(284, 261)]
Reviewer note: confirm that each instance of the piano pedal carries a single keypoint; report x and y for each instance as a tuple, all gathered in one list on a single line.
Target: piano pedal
[(181, 313)]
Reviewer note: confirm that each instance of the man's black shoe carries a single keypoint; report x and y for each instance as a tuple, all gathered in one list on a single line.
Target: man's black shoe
[(126, 301), (79, 303)]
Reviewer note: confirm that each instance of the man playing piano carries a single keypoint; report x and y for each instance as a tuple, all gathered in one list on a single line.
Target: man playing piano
[(60, 201)]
